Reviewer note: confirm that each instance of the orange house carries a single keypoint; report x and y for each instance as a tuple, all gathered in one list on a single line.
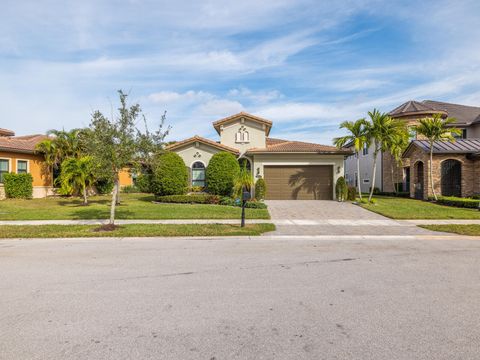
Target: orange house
[(18, 155)]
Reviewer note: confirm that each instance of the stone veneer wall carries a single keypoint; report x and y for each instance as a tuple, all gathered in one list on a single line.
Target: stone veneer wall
[(470, 173)]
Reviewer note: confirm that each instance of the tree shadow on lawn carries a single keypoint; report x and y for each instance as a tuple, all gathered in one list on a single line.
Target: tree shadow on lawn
[(77, 202), (88, 213)]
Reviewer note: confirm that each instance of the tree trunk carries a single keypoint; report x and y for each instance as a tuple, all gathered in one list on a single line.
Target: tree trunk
[(431, 173), (85, 200), (114, 201), (393, 177), (372, 186), (117, 198), (358, 176)]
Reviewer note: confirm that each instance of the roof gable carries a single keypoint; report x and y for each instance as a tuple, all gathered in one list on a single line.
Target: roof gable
[(22, 144), (413, 107), (266, 123), (202, 140)]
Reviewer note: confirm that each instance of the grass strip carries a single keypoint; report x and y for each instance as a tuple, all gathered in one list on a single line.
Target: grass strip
[(470, 230)]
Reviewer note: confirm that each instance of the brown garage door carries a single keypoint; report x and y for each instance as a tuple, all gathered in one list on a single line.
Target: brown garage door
[(313, 182)]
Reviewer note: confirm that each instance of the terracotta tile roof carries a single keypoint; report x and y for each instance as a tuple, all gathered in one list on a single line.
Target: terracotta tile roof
[(288, 146), (218, 123), (204, 141), (23, 144), (6, 132)]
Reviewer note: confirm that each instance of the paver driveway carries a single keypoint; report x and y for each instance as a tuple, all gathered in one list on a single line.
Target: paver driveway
[(323, 217)]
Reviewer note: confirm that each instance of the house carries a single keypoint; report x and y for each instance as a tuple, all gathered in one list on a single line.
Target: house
[(456, 166), (292, 169), (18, 155)]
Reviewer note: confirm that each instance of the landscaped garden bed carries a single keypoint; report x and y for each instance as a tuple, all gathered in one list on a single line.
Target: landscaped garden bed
[(208, 199)]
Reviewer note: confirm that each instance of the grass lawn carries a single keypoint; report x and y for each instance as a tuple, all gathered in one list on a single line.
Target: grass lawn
[(68, 231), (133, 206), (402, 208), (471, 230)]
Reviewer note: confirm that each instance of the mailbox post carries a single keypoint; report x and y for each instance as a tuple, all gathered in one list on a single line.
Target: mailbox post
[(245, 196)]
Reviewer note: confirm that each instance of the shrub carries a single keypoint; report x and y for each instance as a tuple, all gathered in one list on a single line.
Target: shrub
[(260, 189), (458, 202), (129, 189), (476, 197), (376, 190), (197, 189), (170, 176), (189, 199), (352, 193), (104, 186), (228, 201), (222, 170), (18, 186), (143, 182), (394, 194), (341, 189)]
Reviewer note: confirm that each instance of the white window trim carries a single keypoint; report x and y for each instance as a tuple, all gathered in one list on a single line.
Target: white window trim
[(9, 166), (28, 165)]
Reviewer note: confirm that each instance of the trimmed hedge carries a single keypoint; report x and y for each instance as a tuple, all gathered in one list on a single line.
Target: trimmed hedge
[(458, 202), (170, 175), (260, 189), (341, 189), (222, 170), (395, 194), (18, 186), (189, 199)]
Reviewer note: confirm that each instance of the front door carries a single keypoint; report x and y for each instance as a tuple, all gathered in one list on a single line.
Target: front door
[(419, 183)]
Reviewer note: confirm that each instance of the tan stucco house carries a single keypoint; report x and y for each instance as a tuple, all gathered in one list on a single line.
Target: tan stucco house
[(291, 169)]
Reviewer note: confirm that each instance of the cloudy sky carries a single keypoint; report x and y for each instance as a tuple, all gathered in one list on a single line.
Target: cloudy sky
[(306, 65)]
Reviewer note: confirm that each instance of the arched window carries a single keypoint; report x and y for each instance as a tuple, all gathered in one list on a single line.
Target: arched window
[(198, 174)]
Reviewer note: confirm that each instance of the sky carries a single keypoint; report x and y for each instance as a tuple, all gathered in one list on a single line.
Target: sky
[(305, 65)]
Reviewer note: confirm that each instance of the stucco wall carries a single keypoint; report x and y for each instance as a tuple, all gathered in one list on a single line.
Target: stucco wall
[(337, 161), (473, 131), (255, 130), (366, 166), (40, 174), (196, 152)]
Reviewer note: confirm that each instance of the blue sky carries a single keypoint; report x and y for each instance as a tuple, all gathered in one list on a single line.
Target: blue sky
[(306, 65)]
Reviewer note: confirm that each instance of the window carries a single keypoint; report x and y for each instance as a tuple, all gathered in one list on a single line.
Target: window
[(365, 149), (366, 181), (22, 166), (4, 168), (242, 136), (463, 135), (198, 174)]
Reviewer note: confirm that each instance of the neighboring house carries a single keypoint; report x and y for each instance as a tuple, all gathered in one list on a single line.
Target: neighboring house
[(456, 166), (18, 155), (291, 169), (366, 167)]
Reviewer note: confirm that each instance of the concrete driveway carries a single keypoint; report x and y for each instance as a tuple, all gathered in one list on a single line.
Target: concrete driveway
[(239, 299), (322, 217)]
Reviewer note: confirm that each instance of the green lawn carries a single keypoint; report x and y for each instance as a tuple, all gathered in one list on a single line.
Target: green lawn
[(133, 206), (68, 231), (402, 208), (470, 230)]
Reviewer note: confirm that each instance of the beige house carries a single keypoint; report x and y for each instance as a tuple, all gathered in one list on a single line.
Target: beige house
[(291, 169)]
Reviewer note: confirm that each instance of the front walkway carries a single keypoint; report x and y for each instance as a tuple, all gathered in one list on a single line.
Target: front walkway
[(321, 217)]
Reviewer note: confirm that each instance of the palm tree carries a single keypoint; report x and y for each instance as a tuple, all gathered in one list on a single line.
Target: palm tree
[(77, 175), (436, 129), (244, 181), (396, 147), (356, 137), (381, 130)]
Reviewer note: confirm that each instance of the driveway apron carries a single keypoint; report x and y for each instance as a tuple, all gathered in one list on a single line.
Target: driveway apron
[(323, 217)]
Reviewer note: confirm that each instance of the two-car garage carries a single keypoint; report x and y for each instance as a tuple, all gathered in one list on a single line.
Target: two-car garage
[(294, 182)]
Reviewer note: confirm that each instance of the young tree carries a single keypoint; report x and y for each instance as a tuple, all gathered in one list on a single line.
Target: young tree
[(115, 145), (436, 129), (357, 137), (396, 146), (381, 130), (77, 174)]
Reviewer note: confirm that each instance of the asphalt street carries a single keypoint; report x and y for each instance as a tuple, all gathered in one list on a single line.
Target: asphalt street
[(239, 299)]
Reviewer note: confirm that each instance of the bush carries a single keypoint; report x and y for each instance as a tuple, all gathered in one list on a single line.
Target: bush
[(251, 204), (394, 194), (129, 189), (376, 190), (222, 170), (18, 186), (458, 202), (352, 193), (476, 197), (189, 199), (143, 182), (170, 176), (341, 189), (197, 189), (104, 186), (260, 189)]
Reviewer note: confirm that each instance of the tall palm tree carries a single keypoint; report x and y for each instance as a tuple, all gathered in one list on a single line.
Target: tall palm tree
[(357, 137), (77, 175), (396, 146), (436, 129), (381, 130)]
